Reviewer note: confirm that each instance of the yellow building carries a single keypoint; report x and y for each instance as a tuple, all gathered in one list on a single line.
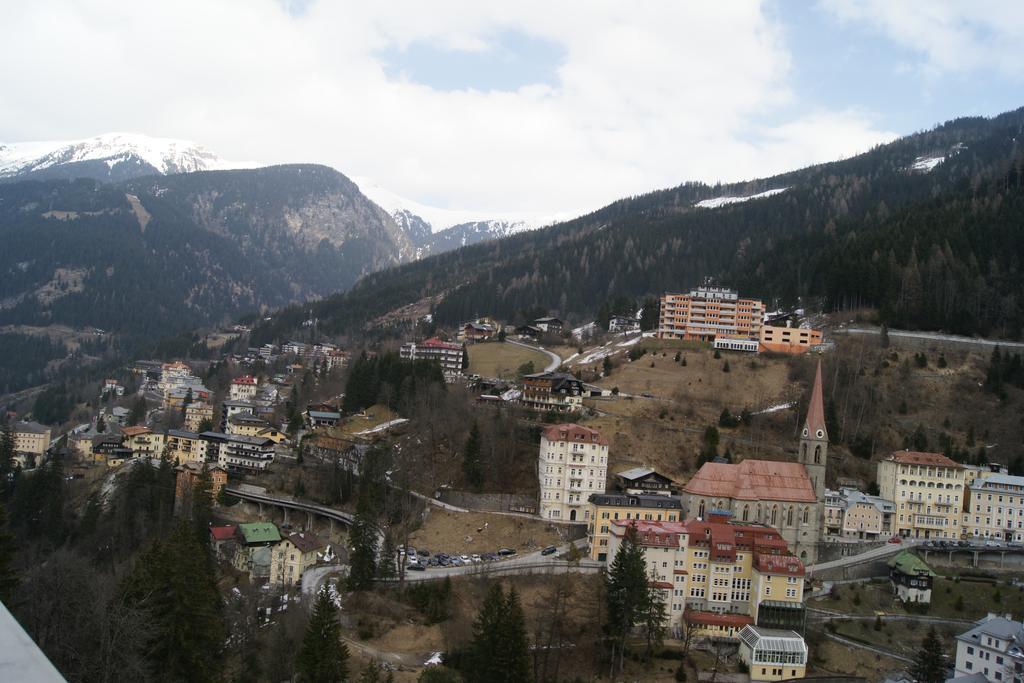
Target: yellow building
[(185, 446), (197, 413), (245, 424), (928, 492), (292, 556), (772, 654), (31, 437), (640, 494), (791, 340), (717, 576), (274, 435), (143, 441)]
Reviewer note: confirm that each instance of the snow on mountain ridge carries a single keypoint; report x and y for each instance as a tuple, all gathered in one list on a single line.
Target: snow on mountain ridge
[(166, 155), (725, 201)]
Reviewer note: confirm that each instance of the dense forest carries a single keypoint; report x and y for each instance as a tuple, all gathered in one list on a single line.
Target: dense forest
[(936, 249)]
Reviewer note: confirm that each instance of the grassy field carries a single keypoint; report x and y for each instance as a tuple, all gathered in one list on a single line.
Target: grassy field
[(477, 532), (500, 359), (903, 637), (950, 598), (830, 657)]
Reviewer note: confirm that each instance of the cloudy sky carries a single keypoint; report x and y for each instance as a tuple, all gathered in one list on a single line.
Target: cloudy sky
[(523, 107)]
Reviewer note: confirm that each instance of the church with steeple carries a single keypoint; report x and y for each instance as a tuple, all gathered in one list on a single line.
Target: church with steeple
[(786, 495)]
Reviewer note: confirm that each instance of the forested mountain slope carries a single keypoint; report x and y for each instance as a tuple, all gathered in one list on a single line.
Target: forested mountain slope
[(162, 254), (929, 229)]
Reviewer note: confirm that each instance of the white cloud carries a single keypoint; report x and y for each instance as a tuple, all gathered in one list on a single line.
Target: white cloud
[(952, 36), (649, 94)]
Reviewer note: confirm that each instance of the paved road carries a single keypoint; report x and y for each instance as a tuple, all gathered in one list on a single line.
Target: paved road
[(313, 579), (931, 336), (873, 554), (556, 360)]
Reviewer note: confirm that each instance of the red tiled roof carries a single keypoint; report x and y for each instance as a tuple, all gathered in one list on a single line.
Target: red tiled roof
[(574, 432), (244, 379), (919, 458), (435, 343), (816, 408), (663, 585), (716, 619), (653, 534), (753, 480), (135, 431), (223, 533), (779, 564)]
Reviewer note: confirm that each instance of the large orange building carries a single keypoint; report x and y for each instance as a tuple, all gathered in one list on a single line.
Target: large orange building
[(792, 340), (709, 313)]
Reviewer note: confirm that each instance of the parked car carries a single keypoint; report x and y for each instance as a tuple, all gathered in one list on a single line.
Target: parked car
[(505, 552), (423, 553), (895, 539), (550, 550), (475, 557), (416, 567), (993, 544)]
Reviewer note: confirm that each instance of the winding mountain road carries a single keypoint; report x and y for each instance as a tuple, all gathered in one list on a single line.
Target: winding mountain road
[(555, 359)]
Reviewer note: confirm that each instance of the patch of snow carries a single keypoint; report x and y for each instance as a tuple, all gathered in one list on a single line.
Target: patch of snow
[(926, 164), (440, 219), (775, 408), (725, 201), (164, 154), (629, 342), (584, 330), (435, 659), (569, 359), (382, 427)]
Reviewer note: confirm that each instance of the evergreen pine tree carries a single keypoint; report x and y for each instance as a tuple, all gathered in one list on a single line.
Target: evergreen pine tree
[(472, 467), (138, 412), (323, 657), (101, 425), (929, 665), (626, 589), (202, 504), (174, 581), (371, 674), (499, 649), (363, 558)]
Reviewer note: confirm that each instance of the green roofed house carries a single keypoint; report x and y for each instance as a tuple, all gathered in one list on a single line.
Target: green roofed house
[(254, 555), (911, 577)]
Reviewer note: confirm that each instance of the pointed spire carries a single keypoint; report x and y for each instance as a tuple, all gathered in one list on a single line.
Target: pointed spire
[(816, 409)]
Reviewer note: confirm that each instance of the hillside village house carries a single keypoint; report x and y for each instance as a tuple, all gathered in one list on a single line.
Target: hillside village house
[(243, 388), (450, 356), (322, 418), (112, 387), (788, 496), (336, 360), (573, 465), (993, 647), (187, 477), (246, 424), (30, 437), (928, 490), (911, 578), (640, 493), (291, 557), (621, 323), (231, 408), (850, 513), (791, 340), (995, 508), (239, 453), (143, 441), (477, 332), (717, 576), (185, 446), (708, 314), (556, 391), (254, 553), (196, 414), (548, 324), (174, 375)]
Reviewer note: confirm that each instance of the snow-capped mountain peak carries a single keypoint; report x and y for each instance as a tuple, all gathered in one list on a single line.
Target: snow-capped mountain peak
[(164, 155)]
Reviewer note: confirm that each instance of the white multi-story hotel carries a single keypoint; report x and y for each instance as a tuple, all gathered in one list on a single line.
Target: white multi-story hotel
[(996, 508), (928, 491), (573, 464), (992, 648)]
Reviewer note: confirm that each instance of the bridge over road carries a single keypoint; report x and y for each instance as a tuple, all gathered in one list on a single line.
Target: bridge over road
[(259, 497)]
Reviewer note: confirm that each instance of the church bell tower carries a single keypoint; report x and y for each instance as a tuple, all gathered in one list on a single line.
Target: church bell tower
[(814, 439)]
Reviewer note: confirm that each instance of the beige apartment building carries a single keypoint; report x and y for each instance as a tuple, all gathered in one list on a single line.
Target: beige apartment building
[(791, 340), (718, 576), (850, 513), (710, 313), (572, 465), (995, 508), (183, 446), (143, 441), (291, 557), (928, 492), (196, 413), (31, 437)]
